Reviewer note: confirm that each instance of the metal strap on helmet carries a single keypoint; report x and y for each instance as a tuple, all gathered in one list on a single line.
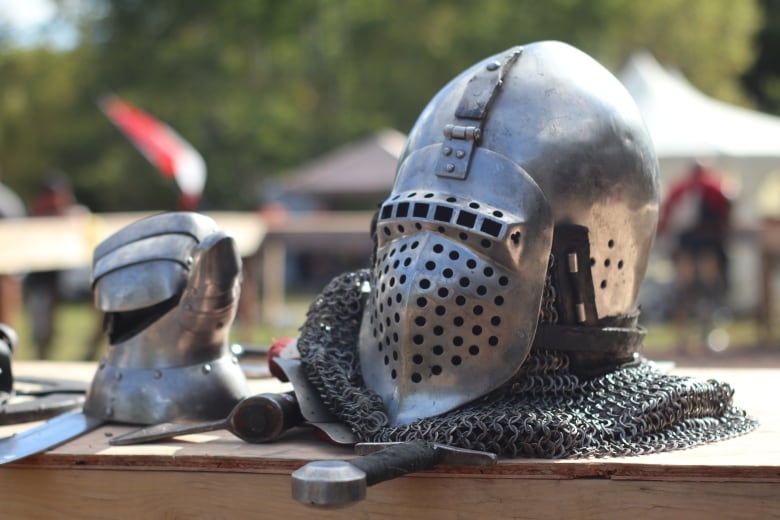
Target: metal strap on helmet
[(455, 158)]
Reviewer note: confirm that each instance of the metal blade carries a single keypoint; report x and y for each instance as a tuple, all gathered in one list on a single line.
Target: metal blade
[(45, 407), (164, 431), (53, 432)]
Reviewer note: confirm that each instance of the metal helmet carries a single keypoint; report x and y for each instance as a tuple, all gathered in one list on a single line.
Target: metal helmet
[(532, 158), (169, 286)]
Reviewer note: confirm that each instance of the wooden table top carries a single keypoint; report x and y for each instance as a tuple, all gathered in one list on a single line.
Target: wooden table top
[(745, 469)]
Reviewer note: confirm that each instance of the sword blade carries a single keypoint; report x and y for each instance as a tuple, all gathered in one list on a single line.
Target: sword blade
[(50, 434), (39, 409)]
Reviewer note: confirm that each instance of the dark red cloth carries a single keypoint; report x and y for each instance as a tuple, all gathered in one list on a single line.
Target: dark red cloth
[(715, 210)]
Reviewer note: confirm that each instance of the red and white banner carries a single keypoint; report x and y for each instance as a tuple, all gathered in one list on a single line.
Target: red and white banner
[(161, 145)]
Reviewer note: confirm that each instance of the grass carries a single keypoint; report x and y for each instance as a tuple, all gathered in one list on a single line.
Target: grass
[(77, 323), (662, 338)]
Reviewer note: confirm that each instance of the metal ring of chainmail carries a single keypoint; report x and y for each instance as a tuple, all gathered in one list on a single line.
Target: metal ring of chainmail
[(545, 411)]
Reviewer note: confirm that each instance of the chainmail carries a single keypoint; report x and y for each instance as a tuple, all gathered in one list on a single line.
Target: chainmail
[(544, 412)]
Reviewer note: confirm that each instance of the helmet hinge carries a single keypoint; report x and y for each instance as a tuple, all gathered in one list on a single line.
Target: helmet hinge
[(481, 91)]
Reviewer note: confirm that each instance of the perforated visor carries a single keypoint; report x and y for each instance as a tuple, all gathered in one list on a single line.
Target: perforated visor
[(456, 292)]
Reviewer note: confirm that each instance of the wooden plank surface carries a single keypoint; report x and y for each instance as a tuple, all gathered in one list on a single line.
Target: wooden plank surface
[(209, 472), (323, 230), (755, 456), (53, 243), (101, 494)]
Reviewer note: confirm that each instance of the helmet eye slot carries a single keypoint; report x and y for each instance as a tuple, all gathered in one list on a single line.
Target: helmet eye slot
[(442, 213), (467, 219), (121, 326), (484, 220), (421, 210)]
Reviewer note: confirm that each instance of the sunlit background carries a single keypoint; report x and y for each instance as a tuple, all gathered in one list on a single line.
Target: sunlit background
[(299, 109)]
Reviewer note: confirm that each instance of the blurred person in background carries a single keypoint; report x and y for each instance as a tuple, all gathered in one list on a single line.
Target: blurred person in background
[(42, 288), (695, 219)]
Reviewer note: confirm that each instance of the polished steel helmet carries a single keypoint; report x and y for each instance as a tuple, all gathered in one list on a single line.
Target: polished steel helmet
[(530, 177), (169, 286)]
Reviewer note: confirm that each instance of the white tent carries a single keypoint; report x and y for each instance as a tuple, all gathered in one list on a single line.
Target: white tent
[(686, 125), (684, 122)]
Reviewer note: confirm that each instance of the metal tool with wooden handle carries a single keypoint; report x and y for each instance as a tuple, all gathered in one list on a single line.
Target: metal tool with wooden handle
[(338, 483), (258, 418)]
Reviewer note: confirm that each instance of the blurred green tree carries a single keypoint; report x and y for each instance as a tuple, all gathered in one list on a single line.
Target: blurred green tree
[(259, 86), (762, 80)]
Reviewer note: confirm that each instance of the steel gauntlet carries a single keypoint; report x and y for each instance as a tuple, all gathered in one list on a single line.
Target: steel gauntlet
[(169, 287)]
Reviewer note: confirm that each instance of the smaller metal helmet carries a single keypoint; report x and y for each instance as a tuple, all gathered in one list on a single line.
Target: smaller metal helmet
[(169, 286), (533, 157)]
